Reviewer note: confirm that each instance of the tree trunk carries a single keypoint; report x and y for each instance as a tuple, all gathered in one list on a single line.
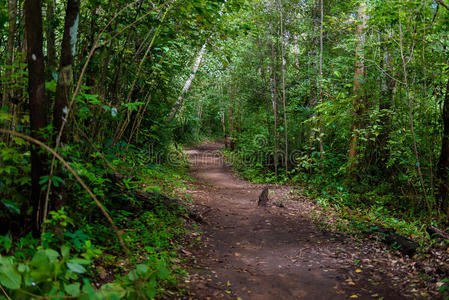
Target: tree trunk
[(8, 97), (36, 92), (188, 83), (320, 138), (296, 50), (284, 105), (443, 163), (274, 95), (410, 113), (385, 104), (90, 72), (358, 90), (65, 77), (314, 58), (8, 92), (51, 48)]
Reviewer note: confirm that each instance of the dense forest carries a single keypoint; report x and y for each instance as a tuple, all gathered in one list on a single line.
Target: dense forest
[(343, 102)]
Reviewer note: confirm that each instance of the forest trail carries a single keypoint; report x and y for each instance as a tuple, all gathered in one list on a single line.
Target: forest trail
[(250, 252)]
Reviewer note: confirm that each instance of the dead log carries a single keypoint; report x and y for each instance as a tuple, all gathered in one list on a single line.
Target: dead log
[(389, 236), (436, 232)]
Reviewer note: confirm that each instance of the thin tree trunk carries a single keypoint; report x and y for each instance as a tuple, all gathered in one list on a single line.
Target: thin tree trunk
[(274, 92), (385, 104), (36, 92), (283, 91), (8, 92), (321, 76), (122, 126), (314, 58), (358, 90), (274, 101), (262, 73), (410, 112), (188, 83), (443, 163), (65, 78), (8, 97), (296, 51), (51, 46), (90, 72)]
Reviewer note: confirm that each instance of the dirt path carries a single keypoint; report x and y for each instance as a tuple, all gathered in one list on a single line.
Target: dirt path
[(248, 252)]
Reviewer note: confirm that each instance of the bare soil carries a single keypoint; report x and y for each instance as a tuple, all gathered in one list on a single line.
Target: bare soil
[(251, 252)]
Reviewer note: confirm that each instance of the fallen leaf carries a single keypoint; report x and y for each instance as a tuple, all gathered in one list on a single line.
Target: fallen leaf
[(358, 271), (354, 297)]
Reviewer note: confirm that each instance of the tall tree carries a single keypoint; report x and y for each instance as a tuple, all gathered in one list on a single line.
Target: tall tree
[(357, 105), (51, 45), (274, 90), (385, 104), (8, 92), (284, 106), (321, 74), (443, 163), (65, 77), (410, 112), (37, 100), (188, 82)]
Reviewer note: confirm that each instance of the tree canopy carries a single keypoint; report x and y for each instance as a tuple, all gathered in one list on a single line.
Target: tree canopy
[(349, 99)]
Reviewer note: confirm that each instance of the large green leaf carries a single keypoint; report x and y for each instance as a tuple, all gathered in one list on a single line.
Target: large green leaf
[(9, 277), (41, 266), (73, 289)]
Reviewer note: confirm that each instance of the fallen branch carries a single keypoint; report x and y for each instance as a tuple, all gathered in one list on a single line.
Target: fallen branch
[(434, 231)]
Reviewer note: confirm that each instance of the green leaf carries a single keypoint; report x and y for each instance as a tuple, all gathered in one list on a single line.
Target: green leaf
[(40, 259), (73, 289), (151, 289), (41, 266), (9, 277), (51, 86), (65, 251), (113, 289), (132, 275), (142, 269), (11, 206), (52, 255), (163, 272), (75, 267)]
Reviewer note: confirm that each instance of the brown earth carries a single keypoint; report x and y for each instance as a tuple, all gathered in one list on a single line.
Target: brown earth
[(251, 252)]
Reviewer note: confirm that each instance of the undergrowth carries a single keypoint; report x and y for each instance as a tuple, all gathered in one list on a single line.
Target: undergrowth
[(79, 255)]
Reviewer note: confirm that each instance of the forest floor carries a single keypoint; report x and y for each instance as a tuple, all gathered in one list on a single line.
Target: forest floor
[(251, 252)]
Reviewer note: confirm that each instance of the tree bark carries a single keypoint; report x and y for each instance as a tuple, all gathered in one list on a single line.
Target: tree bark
[(65, 77), (274, 95), (321, 76), (443, 163), (36, 92), (358, 90), (411, 120), (8, 92), (284, 105), (385, 104), (188, 83), (51, 46)]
